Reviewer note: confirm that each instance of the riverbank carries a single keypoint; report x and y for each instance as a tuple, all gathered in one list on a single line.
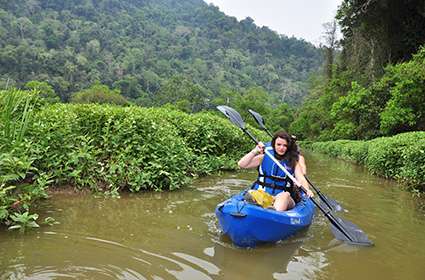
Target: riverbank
[(400, 157), (104, 149)]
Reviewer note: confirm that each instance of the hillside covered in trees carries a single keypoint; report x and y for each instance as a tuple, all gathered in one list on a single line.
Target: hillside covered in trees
[(376, 86), (149, 49)]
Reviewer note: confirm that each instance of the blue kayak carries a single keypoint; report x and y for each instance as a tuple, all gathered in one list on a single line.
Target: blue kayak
[(248, 224)]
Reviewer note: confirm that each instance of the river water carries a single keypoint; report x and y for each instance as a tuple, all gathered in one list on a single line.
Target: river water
[(175, 235)]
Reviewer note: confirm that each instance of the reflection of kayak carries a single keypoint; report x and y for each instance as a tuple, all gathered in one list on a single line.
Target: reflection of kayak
[(248, 224), (265, 262)]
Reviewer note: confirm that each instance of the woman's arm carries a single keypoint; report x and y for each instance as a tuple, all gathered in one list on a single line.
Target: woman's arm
[(301, 179), (253, 158), (301, 161)]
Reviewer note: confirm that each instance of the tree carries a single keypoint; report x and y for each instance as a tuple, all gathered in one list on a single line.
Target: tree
[(254, 98), (404, 110), (379, 32), (129, 87), (25, 27), (188, 96), (46, 91), (330, 46), (100, 94)]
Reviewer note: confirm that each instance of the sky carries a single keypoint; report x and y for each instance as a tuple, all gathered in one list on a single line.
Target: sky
[(299, 18)]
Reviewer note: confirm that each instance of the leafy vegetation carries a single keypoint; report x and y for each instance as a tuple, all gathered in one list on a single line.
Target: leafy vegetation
[(375, 88), (378, 33), (24, 221), (376, 83), (16, 162), (400, 157), (140, 47), (106, 149), (99, 94), (390, 105)]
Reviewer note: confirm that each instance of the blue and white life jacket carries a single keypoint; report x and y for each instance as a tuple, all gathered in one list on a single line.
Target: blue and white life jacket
[(270, 177)]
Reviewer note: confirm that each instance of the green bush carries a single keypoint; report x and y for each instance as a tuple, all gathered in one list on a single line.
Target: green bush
[(114, 148), (214, 142), (99, 94), (109, 149), (405, 111), (399, 157), (387, 155), (46, 91), (345, 149), (413, 169)]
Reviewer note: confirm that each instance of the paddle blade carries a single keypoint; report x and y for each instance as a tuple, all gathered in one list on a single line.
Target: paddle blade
[(232, 115), (258, 118), (330, 203), (356, 235), (236, 119)]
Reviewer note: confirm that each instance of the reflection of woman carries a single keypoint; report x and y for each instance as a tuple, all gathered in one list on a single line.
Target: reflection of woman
[(270, 177)]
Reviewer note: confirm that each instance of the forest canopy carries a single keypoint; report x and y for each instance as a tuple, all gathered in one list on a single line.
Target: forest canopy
[(139, 47)]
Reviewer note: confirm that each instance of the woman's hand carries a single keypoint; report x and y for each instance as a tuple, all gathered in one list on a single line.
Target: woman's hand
[(259, 149), (253, 158), (309, 193)]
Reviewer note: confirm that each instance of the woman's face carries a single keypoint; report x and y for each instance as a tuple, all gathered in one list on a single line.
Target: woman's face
[(280, 146)]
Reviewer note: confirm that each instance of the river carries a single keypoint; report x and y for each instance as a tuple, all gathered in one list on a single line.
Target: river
[(175, 235)]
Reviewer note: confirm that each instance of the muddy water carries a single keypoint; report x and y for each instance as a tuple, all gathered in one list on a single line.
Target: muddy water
[(176, 236)]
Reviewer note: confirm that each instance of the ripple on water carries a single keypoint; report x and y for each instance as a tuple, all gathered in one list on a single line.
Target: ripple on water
[(226, 187), (85, 257)]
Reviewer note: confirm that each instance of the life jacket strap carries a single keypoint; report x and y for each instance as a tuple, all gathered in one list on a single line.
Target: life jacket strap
[(273, 186), (276, 178)]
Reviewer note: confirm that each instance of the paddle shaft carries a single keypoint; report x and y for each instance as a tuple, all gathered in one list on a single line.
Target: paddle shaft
[(319, 193), (268, 132)]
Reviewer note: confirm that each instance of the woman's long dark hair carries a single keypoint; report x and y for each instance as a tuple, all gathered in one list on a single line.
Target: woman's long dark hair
[(291, 153)]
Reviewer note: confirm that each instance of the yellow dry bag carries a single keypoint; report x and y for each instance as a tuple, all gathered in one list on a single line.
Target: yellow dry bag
[(261, 198)]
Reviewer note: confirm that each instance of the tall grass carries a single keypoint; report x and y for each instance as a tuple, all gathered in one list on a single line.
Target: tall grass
[(16, 108), (16, 197)]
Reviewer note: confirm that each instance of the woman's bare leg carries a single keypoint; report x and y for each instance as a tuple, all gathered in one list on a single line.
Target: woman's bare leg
[(283, 201)]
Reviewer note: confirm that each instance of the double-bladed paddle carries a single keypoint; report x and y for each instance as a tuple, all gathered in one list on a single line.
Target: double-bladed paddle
[(329, 202), (342, 229)]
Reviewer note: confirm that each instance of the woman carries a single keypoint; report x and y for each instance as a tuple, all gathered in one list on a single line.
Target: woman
[(270, 177)]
